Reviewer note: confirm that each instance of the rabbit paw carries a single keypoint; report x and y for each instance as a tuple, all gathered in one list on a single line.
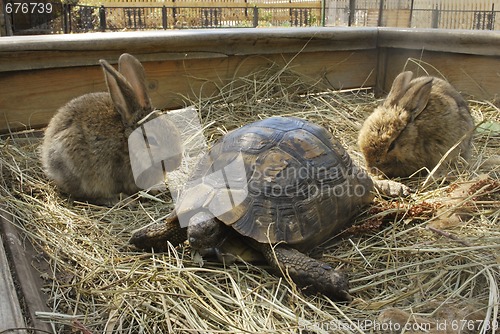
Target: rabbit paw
[(392, 188)]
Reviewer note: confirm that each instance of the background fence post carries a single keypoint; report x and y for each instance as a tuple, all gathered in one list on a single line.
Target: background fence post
[(491, 18), (66, 22), (102, 18), (3, 21), (323, 13), (255, 16), (352, 12), (380, 14), (411, 12), (435, 18), (7, 27), (164, 20)]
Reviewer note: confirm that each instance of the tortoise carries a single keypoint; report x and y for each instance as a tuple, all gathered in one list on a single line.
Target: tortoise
[(301, 188)]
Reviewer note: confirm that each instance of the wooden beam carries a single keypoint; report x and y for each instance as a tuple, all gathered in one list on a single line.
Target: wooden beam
[(473, 75), (47, 71), (468, 59), (11, 315), (381, 72), (28, 280), (172, 82), (38, 74), (66, 50), (474, 42)]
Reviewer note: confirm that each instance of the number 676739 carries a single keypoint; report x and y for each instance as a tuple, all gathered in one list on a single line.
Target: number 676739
[(28, 8)]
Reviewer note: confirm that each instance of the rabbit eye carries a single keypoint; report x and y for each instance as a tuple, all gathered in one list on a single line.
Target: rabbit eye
[(391, 147)]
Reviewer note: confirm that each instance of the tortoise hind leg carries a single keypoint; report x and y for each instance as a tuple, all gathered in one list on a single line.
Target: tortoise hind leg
[(308, 273), (155, 236)]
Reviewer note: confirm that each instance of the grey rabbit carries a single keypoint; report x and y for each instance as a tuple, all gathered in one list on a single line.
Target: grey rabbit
[(85, 150)]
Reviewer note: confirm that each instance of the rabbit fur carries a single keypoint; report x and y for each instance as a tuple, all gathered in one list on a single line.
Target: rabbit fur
[(439, 318), (85, 147), (415, 126)]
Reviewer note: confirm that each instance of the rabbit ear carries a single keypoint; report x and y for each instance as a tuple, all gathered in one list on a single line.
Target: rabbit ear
[(417, 96), (133, 71), (398, 88), (121, 92)]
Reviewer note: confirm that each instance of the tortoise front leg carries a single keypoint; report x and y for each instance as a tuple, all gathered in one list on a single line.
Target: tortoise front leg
[(155, 236), (308, 273)]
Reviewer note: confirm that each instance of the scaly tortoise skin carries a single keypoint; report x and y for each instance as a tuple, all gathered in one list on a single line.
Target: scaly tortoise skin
[(302, 189)]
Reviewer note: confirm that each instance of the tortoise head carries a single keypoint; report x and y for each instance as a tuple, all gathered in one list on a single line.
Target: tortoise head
[(205, 231)]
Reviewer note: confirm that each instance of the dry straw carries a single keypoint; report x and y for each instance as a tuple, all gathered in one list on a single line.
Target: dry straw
[(432, 252)]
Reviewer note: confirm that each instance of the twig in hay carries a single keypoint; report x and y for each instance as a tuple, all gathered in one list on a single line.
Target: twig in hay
[(359, 252), (77, 325), (449, 236)]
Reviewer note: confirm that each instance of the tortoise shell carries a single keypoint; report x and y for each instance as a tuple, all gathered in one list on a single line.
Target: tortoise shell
[(290, 181)]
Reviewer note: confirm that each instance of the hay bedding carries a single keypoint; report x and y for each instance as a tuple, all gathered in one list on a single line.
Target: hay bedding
[(434, 256)]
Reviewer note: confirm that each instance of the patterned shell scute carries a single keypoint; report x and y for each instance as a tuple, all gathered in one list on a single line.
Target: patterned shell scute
[(297, 177)]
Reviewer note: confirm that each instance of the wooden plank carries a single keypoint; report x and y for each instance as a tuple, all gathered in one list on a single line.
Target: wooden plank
[(11, 315), (472, 42), (28, 279), (44, 91), (473, 75), (47, 71), (40, 74), (381, 72), (57, 51)]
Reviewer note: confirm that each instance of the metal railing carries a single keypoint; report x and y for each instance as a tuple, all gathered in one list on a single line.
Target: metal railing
[(66, 18), (437, 17)]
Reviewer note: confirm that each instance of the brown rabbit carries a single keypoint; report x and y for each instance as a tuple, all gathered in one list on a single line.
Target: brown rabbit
[(86, 145), (442, 319), (416, 125)]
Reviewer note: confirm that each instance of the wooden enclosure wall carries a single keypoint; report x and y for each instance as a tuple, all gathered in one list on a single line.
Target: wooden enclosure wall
[(469, 60), (39, 74), (44, 72)]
